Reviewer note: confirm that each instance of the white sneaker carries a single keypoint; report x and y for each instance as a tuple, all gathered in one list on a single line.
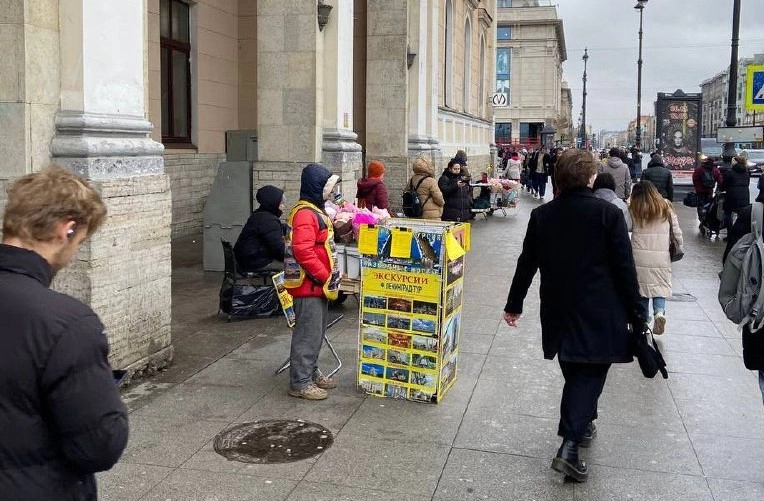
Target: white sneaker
[(659, 324)]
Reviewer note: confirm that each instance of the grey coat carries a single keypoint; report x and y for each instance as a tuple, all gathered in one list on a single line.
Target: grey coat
[(621, 174)]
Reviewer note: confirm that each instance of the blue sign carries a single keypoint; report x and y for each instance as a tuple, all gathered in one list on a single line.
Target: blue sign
[(755, 88)]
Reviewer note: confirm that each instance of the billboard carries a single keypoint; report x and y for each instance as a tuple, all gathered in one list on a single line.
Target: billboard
[(677, 122)]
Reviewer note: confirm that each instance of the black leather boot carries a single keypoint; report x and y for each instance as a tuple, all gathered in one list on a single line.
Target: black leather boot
[(589, 434), (567, 462)]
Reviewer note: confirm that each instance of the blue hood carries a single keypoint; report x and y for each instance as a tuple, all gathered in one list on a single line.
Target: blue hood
[(314, 177)]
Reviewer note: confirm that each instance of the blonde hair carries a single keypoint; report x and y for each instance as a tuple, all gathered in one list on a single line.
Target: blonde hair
[(38, 202), (647, 205)]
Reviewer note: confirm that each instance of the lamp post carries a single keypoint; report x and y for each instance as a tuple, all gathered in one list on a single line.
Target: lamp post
[(583, 113), (729, 148), (638, 136)]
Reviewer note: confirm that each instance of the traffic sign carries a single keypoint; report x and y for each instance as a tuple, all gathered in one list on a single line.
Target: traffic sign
[(754, 88), (500, 100)]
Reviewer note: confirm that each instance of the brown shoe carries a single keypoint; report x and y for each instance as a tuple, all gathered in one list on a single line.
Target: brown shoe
[(310, 392), (324, 382)]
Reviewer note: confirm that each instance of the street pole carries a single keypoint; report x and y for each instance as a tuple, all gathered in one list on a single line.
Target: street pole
[(583, 114), (729, 148), (638, 136)]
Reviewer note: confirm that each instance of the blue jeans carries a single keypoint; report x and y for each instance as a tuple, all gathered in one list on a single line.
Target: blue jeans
[(312, 314), (659, 305), (539, 183)]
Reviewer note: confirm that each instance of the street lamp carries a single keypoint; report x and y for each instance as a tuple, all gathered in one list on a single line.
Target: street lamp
[(729, 148), (583, 114), (638, 137)]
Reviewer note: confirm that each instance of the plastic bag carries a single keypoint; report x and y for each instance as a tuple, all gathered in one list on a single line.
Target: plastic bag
[(245, 300)]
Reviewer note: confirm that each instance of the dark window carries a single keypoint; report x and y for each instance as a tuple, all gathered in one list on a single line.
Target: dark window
[(175, 47), (504, 33), (503, 132)]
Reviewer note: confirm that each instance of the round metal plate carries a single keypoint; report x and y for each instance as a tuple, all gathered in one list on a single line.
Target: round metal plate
[(273, 441)]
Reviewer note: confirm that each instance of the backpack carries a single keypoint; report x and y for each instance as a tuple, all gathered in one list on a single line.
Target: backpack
[(742, 275), (707, 178), (412, 205)]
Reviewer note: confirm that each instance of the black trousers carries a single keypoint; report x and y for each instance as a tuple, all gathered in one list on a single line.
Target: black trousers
[(582, 390)]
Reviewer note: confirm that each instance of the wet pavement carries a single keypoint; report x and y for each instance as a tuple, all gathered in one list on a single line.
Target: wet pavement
[(697, 436)]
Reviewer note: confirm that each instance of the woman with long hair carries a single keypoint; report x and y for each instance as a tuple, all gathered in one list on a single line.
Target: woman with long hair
[(653, 218)]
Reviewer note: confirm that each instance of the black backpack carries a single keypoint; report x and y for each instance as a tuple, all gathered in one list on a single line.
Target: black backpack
[(412, 205), (707, 178)]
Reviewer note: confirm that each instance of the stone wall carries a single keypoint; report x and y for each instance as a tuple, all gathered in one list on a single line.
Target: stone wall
[(191, 176), (123, 271)]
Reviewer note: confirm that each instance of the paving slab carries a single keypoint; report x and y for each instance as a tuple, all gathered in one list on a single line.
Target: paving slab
[(196, 485)]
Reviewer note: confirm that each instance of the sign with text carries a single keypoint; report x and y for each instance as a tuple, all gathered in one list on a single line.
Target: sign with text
[(677, 122), (751, 134), (754, 88)]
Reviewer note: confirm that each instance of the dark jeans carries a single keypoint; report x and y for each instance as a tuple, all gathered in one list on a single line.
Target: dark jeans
[(582, 390), (539, 183)]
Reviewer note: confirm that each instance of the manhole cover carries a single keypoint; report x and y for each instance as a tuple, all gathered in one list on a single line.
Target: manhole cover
[(682, 297), (273, 441)]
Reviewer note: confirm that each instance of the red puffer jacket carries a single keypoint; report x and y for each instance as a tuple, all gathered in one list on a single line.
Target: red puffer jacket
[(308, 247)]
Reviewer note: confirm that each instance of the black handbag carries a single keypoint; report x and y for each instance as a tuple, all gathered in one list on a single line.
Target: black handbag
[(690, 199), (648, 355)]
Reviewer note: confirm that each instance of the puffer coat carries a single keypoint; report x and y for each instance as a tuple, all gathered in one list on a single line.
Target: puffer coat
[(650, 245), (457, 206), (428, 191)]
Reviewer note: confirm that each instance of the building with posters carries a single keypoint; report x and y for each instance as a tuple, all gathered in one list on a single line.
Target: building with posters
[(138, 96), (677, 128), (530, 51), (715, 90)]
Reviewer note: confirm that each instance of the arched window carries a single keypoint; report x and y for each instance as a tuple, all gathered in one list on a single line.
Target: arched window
[(467, 63), (481, 83), (449, 53)]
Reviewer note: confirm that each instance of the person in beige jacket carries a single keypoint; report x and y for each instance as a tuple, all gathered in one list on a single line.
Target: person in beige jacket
[(653, 218), (428, 191)]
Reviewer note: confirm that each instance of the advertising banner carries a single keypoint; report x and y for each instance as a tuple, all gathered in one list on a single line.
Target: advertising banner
[(410, 315), (678, 129)]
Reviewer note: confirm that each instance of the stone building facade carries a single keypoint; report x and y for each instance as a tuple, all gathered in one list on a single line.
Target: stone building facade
[(529, 55), (138, 95), (715, 91)]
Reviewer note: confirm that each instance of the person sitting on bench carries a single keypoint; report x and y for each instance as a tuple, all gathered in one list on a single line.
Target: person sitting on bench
[(260, 246)]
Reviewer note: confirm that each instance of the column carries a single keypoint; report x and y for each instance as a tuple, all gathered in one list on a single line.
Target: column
[(419, 142), (340, 150), (387, 117), (101, 132), (289, 93)]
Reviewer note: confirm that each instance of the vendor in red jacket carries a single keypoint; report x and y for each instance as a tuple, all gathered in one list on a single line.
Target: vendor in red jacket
[(312, 278), (704, 178), (372, 191)]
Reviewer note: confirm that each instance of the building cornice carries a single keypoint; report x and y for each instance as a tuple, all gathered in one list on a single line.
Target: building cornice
[(485, 18)]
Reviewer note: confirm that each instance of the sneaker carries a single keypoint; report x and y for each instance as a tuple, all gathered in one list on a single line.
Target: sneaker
[(310, 392), (659, 324), (325, 383)]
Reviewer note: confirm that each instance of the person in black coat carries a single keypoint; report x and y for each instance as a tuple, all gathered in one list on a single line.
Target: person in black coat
[(61, 416), (736, 183), (753, 342), (456, 193), (261, 243), (589, 293), (660, 176)]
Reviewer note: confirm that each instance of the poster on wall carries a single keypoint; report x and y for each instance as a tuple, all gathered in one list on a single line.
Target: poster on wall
[(410, 314)]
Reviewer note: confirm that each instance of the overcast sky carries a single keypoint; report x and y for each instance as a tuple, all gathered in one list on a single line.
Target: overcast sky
[(684, 42)]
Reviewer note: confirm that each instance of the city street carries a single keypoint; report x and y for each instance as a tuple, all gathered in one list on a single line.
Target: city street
[(697, 436)]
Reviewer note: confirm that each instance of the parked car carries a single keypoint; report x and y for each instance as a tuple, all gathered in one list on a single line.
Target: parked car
[(755, 161), (711, 149)]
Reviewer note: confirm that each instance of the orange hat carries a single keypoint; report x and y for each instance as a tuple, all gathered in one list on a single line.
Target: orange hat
[(376, 168)]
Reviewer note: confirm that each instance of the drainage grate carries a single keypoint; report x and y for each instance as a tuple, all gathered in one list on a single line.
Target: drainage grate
[(682, 297), (273, 441)]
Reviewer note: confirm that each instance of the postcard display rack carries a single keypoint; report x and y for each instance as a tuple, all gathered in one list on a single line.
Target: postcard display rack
[(411, 307)]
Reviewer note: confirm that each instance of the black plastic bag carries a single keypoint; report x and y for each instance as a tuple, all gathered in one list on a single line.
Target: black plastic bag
[(648, 355), (245, 300)]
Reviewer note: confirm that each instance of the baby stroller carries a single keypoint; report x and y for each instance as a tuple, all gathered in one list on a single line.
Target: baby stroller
[(711, 215)]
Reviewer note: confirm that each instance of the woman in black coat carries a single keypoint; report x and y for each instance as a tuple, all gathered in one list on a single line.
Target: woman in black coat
[(589, 293), (456, 193), (736, 183), (753, 342)]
